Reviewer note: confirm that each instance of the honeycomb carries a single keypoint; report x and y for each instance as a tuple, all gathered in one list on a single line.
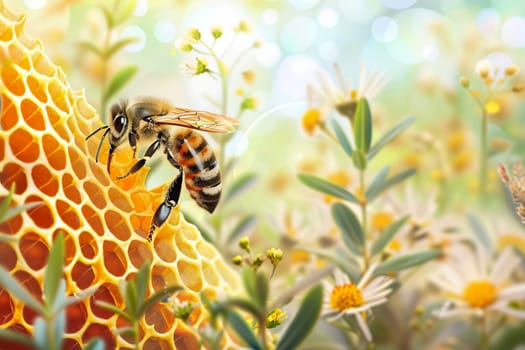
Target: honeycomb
[(105, 223)]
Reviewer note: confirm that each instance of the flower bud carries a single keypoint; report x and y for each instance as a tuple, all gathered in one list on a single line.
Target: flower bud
[(216, 31), (464, 81), (194, 35), (483, 68), (244, 243), (237, 260), (512, 70)]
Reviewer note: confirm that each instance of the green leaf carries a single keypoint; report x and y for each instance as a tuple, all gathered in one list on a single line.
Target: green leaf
[(385, 238), (390, 182), (119, 80), (239, 185), (242, 226), (327, 187), (54, 270), (341, 137), (95, 344), (248, 280), (405, 261), (304, 320), (142, 281), (130, 299), (204, 232), (377, 183), (17, 337), (19, 292), (362, 126), (108, 16), (156, 298), (243, 304), (243, 330), (14, 211), (62, 303), (359, 159), (4, 205), (127, 11), (388, 136), (261, 288), (59, 323), (351, 230), (482, 235), (114, 309), (118, 45), (40, 334), (345, 262), (89, 46)]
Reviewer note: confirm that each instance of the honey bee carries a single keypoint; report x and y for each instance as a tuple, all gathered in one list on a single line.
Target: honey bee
[(150, 119)]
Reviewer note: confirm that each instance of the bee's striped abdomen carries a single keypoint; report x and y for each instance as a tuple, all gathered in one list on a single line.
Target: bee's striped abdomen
[(201, 170)]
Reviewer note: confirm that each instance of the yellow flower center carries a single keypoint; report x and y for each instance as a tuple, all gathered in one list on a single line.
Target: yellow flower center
[(480, 293), (395, 245), (492, 107), (381, 220), (311, 119), (345, 296)]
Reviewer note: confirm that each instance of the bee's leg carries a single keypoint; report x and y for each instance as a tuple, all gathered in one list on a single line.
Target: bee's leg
[(132, 136), (172, 198), (141, 162)]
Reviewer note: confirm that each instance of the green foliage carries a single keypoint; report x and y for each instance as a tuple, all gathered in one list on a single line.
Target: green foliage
[(243, 330), (119, 80), (385, 184), (350, 228), (389, 136), (382, 241), (49, 325), (342, 138), (303, 321), (7, 212), (136, 302), (402, 262), (327, 187), (363, 126)]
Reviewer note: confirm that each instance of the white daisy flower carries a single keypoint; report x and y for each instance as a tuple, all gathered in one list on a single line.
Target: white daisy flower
[(346, 298), (475, 288)]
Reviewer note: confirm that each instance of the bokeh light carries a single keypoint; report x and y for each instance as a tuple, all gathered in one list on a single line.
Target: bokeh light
[(398, 4), (488, 21), (141, 8), (135, 32), (299, 34), (329, 51), (328, 17), (165, 31), (304, 4), (268, 55), (513, 31), (269, 16), (359, 11), (384, 29), (498, 61)]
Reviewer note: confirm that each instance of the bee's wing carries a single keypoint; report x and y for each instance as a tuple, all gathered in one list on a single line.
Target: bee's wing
[(199, 120)]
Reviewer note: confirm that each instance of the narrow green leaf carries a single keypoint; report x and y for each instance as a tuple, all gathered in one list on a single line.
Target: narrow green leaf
[(119, 45), (261, 288), (363, 126), (206, 234), (40, 334), (127, 11), (341, 137), (4, 205), (243, 330), (405, 261), (89, 46), (304, 320), (114, 309), (248, 280), (240, 303), (359, 159), (62, 303), (119, 80), (60, 297), (14, 211), (108, 16), (327, 187), (345, 262), (239, 185), (389, 136), (54, 269), (59, 323), (17, 337), (142, 281), (242, 226), (18, 291), (377, 182), (156, 298), (125, 331), (482, 235), (95, 344), (351, 230), (390, 182), (385, 238), (130, 299)]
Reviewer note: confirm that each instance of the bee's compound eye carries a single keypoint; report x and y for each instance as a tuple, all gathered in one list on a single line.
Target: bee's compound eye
[(119, 123)]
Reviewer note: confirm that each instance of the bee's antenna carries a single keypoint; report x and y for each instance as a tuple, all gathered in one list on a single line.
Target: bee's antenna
[(100, 143), (96, 131)]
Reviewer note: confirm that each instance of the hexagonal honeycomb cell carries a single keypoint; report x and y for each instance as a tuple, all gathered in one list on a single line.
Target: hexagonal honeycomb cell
[(44, 154)]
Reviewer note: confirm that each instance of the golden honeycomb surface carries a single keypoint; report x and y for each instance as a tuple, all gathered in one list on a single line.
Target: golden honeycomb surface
[(43, 152)]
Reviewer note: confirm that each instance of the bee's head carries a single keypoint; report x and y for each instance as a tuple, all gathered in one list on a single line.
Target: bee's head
[(118, 124)]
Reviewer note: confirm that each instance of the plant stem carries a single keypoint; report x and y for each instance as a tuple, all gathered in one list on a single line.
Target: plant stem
[(483, 155), (484, 341), (262, 330), (363, 204)]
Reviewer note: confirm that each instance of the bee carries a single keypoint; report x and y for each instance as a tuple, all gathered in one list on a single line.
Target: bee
[(156, 121)]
